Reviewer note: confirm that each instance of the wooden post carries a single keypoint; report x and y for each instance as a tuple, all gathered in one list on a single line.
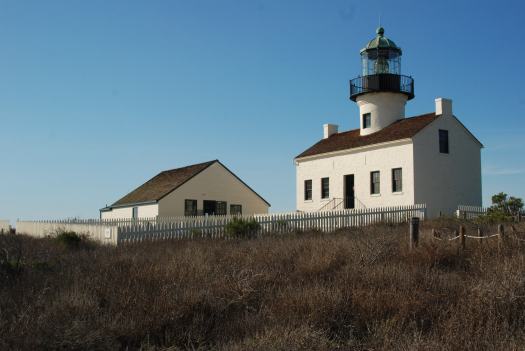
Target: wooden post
[(414, 232), (462, 237), (480, 233), (501, 232)]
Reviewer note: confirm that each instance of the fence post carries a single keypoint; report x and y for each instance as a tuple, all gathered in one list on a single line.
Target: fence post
[(414, 232), (480, 234), (462, 237), (501, 233)]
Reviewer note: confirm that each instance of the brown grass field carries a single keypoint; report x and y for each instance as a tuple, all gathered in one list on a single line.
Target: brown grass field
[(357, 289)]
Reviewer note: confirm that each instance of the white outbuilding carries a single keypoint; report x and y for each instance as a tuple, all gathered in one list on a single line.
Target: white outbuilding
[(391, 159), (199, 189)]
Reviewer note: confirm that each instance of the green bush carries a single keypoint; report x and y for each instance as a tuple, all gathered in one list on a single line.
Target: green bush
[(242, 228), (69, 239), (503, 209)]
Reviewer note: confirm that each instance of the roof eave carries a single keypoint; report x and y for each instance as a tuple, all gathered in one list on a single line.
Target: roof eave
[(142, 203), (354, 149)]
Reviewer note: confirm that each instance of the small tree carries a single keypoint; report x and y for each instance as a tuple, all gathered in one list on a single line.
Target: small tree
[(504, 207)]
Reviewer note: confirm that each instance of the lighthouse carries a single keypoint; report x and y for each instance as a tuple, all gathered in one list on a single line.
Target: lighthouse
[(430, 159), (381, 91)]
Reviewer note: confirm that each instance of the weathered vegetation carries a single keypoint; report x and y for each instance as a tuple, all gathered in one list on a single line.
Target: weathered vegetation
[(504, 208), (356, 289)]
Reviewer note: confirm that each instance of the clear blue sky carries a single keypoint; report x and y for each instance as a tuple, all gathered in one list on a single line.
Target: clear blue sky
[(98, 96)]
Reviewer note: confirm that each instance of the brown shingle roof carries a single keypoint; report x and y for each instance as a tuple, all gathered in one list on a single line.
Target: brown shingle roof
[(401, 129), (163, 184)]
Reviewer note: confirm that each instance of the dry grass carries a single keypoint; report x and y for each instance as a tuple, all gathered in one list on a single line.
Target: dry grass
[(359, 289)]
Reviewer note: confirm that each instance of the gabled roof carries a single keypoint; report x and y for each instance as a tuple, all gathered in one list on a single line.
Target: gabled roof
[(402, 129), (165, 182), (162, 184)]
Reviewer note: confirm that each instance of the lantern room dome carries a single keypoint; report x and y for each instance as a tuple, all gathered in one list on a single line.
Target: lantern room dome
[(381, 42)]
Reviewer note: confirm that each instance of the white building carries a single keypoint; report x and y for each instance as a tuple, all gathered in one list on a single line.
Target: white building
[(391, 159), (204, 188)]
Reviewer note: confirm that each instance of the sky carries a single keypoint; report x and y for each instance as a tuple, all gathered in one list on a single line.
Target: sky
[(98, 96)]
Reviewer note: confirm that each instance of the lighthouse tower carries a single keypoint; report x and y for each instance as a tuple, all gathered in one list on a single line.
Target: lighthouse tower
[(381, 92)]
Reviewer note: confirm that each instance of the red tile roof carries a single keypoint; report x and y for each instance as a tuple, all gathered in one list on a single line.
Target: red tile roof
[(401, 129)]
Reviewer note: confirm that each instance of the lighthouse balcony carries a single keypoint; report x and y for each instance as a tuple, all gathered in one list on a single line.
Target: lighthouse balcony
[(384, 82)]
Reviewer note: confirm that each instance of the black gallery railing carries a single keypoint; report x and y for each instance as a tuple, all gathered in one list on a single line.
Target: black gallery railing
[(382, 82)]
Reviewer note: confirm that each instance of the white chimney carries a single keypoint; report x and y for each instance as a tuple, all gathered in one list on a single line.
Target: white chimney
[(443, 107), (329, 129)]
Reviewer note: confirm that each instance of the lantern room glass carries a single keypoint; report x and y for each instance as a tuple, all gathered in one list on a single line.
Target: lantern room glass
[(381, 61)]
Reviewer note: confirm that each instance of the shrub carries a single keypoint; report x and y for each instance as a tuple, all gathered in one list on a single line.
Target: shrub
[(69, 239), (503, 208), (242, 228), (505, 204)]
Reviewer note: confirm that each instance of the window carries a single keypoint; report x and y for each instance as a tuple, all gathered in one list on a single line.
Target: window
[(374, 182), (325, 188), (221, 208), (308, 189), (367, 120), (397, 180), (134, 213), (190, 207), (236, 210), (443, 141)]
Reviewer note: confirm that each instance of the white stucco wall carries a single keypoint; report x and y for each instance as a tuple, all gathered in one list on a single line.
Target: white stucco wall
[(385, 108), (360, 162), (144, 211), (444, 181), (214, 183)]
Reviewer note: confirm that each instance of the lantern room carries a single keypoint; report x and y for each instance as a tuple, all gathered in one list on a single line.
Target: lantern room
[(381, 55), (381, 69)]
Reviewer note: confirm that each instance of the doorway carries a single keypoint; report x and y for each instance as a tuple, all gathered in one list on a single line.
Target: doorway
[(349, 191), (209, 207)]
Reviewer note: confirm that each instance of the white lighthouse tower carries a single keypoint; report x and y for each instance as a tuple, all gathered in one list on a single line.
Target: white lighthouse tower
[(381, 92)]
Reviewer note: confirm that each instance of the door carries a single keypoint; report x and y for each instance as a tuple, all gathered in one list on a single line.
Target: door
[(209, 207), (349, 191)]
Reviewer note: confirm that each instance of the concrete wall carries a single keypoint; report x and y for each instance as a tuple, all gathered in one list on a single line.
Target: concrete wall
[(214, 183), (144, 211), (102, 233), (444, 181), (360, 162), (385, 108), (4, 226)]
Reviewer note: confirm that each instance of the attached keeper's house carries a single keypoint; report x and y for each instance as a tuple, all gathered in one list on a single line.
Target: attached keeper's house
[(391, 159), (200, 189)]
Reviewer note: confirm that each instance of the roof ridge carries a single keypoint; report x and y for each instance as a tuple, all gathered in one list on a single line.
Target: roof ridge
[(193, 165)]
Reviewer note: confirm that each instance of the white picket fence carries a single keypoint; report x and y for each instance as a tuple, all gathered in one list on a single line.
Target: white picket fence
[(4, 226), (127, 231), (470, 212)]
